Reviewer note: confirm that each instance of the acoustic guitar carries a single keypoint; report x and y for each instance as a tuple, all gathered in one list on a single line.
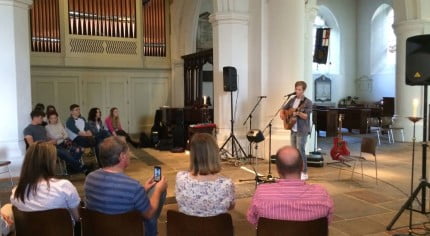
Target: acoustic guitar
[(340, 147), (288, 117)]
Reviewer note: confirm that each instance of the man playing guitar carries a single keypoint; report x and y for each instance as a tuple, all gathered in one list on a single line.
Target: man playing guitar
[(298, 109)]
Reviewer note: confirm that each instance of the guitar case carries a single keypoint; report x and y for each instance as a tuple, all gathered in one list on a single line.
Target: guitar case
[(315, 159)]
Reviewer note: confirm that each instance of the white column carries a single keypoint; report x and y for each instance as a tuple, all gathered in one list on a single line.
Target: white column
[(311, 13), (284, 47), (230, 47), (15, 86), (405, 93)]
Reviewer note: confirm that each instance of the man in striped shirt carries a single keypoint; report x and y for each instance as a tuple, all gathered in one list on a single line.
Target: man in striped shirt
[(109, 191), (290, 198)]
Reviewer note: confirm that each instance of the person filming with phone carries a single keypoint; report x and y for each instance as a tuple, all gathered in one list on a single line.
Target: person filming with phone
[(202, 191), (110, 191)]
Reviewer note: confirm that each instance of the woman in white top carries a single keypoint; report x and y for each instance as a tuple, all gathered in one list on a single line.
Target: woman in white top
[(37, 189), (56, 131), (202, 191)]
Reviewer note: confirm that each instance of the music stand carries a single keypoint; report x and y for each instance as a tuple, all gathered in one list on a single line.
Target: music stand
[(269, 125), (249, 117)]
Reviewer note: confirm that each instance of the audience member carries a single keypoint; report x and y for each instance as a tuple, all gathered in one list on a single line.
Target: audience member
[(202, 191), (41, 107), (113, 124), (78, 130), (56, 131), (110, 191), (290, 198), (35, 132), (37, 189), (95, 125)]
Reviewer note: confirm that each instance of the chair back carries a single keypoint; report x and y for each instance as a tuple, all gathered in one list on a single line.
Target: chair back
[(368, 145), (272, 227), (96, 223), (180, 224), (50, 222)]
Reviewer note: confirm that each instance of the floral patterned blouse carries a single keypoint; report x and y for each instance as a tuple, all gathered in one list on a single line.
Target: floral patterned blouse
[(203, 197)]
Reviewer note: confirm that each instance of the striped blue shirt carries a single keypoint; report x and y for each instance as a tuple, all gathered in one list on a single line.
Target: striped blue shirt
[(114, 193)]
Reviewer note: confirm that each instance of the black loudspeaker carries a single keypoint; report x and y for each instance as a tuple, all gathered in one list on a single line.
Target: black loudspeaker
[(230, 78), (417, 60)]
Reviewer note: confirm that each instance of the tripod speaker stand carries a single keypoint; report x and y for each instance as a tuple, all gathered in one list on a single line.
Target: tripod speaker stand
[(236, 148), (422, 187)]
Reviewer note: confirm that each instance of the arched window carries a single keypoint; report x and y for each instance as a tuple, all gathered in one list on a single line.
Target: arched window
[(383, 41), (325, 19)]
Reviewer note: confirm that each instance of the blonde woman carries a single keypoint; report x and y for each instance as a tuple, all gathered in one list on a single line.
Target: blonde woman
[(202, 191), (113, 124)]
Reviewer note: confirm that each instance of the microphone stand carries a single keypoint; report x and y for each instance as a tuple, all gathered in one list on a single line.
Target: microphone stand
[(269, 125), (250, 122)]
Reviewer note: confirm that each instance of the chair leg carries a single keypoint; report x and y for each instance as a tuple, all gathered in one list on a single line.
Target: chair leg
[(390, 136), (353, 170), (403, 136), (10, 176), (378, 135), (362, 174), (376, 170)]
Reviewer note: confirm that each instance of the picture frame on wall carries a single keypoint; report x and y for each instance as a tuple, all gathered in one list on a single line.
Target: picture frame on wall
[(323, 89)]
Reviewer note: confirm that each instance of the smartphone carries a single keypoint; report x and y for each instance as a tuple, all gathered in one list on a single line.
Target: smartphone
[(157, 173)]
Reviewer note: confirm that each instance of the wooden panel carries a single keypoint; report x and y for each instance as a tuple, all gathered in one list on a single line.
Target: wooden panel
[(148, 95), (66, 95), (43, 91), (117, 96), (94, 96)]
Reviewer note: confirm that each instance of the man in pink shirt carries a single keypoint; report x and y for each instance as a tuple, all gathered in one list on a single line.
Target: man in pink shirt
[(290, 198)]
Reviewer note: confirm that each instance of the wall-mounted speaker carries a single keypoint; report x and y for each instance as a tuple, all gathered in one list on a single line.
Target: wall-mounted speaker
[(230, 78), (418, 60)]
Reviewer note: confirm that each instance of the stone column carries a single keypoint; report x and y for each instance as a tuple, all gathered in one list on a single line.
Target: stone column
[(230, 48), (15, 79), (284, 47)]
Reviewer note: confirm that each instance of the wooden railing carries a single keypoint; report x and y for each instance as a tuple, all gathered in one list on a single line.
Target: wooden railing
[(45, 26), (154, 28)]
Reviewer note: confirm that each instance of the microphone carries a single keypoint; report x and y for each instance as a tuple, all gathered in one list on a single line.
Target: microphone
[(290, 94), (262, 96)]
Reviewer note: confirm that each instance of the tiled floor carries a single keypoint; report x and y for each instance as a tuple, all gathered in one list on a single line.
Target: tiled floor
[(362, 206)]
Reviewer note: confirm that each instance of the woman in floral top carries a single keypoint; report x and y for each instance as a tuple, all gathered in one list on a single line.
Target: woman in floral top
[(202, 191)]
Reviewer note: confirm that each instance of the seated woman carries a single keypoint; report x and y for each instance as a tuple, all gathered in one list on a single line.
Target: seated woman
[(114, 126), (202, 191), (37, 189), (56, 131), (95, 125)]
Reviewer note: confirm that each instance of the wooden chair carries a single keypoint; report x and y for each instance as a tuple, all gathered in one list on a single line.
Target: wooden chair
[(180, 224), (368, 145), (6, 169), (271, 227), (50, 222), (96, 223)]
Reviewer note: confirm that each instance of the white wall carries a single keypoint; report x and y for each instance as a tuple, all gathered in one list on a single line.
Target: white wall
[(343, 84), (383, 81)]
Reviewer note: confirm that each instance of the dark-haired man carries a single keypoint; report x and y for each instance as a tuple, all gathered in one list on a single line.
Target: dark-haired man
[(78, 129), (36, 132), (290, 198), (110, 191)]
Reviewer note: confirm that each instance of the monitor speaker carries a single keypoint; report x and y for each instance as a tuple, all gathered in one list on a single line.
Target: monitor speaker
[(230, 78), (417, 60)]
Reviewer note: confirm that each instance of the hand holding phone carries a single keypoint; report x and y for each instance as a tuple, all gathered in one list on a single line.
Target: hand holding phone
[(157, 173)]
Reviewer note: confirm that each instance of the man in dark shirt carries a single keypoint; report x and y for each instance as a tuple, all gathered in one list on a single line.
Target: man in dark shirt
[(35, 132)]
